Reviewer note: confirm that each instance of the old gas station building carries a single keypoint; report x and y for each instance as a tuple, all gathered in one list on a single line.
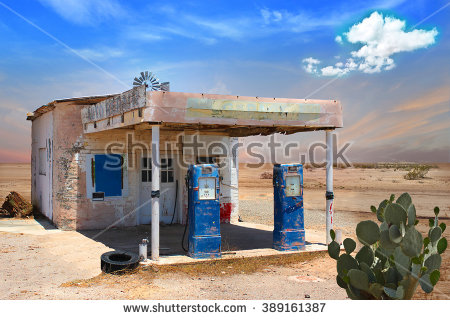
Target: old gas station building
[(148, 135)]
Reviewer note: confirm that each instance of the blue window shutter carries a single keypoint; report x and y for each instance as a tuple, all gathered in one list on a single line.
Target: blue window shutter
[(108, 174)]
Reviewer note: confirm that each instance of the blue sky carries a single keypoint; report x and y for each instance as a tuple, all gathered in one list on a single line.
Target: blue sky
[(54, 49)]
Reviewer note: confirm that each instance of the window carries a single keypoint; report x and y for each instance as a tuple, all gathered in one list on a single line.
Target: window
[(146, 172), (108, 174), (43, 161), (167, 170)]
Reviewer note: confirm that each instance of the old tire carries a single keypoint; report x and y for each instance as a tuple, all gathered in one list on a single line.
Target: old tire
[(114, 261)]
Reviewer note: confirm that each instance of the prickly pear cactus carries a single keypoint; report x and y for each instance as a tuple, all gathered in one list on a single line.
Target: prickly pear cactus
[(394, 258)]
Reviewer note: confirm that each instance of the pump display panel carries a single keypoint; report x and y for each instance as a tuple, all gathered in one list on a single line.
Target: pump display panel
[(293, 187), (207, 188)]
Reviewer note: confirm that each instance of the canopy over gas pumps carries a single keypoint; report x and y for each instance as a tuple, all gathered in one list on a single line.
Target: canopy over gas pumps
[(235, 116)]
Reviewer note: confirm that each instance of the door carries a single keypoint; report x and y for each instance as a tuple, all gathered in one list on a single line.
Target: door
[(167, 199), (167, 191), (145, 211)]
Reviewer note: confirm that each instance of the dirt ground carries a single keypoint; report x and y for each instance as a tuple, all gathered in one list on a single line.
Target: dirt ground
[(15, 177), (357, 189), (54, 266)]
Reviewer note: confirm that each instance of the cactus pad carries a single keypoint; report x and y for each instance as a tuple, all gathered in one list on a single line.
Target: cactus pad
[(394, 234), (334, 250), (412, 242), (365, 255), (404, 200), (395, 214), (359, 279), (434, 277), (433, 262), (441, 245), (425, 283), (345, 263), (402, 261), (364, 267), (411, 215), (394, 258), (341, 283), (367, 232), (380, 210), (435, 234), (385, 241), (349, 245)]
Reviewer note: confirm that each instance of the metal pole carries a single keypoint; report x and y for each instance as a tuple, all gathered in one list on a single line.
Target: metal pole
[(329, 194), (156, 168)]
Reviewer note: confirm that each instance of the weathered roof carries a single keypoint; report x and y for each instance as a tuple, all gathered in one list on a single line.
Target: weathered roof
[(237, 115), (77, 101)]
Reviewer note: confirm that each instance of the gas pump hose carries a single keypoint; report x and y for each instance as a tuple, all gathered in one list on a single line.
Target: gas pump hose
[(187, 220)]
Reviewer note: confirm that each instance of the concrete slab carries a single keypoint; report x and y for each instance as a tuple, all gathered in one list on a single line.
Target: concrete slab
[(256, 235), (36, 227), (239, 240)]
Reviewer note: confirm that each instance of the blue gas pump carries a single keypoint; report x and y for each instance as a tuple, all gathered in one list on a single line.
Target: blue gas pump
[(204, 211), (289, 226)]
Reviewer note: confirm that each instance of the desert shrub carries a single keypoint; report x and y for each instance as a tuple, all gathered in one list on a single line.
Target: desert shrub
[(406, 166), (365, 165), (417, 172), (266, 175), (394, 258)]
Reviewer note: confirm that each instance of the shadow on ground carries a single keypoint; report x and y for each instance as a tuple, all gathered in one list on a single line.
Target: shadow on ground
[(234, 238)]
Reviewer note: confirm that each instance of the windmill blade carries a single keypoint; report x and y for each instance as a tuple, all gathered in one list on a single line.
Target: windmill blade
[(152, 82), (164, 86)]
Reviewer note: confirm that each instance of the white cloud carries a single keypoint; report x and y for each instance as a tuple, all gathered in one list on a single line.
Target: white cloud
[(338, 39), (339, 69), (381, 38), (86, 11), (310, 64)]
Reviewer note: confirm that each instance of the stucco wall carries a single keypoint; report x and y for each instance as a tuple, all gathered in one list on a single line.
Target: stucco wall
[(41, 165), (72, 188), (72, 207)]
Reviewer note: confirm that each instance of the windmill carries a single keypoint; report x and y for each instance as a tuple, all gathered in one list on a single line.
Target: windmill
[(150, 80)]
